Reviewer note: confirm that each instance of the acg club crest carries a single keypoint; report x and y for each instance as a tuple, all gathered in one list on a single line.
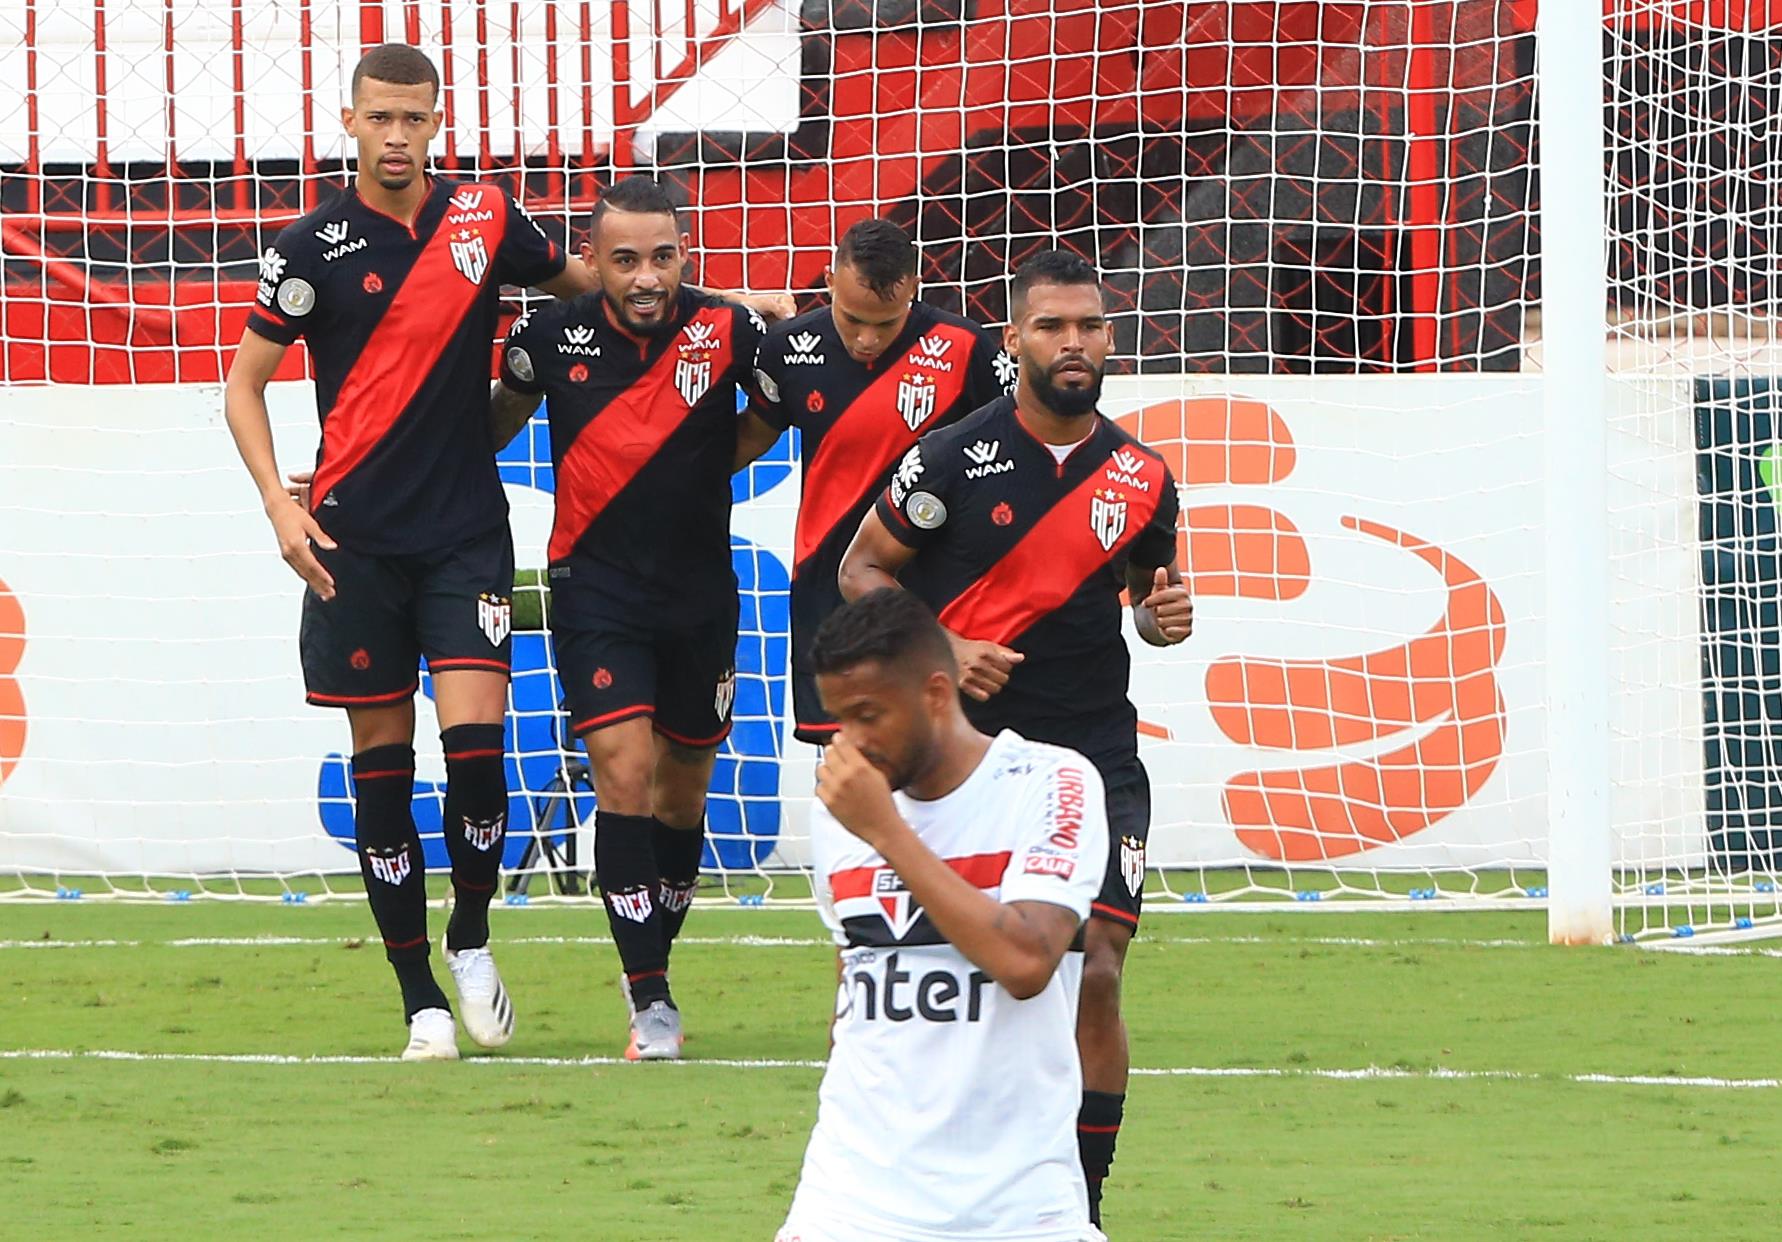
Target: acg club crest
[(725, 697), (469, 255), (916, 399), (1132, 864), (494, 617), (1107, 516), (693, 368)]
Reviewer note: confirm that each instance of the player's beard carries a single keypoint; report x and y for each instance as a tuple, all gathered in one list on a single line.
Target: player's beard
[(906, 768), (621, 313), (1064, 402)]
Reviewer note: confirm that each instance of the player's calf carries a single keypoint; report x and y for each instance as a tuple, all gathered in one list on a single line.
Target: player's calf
[(475, 827), (395, 875)]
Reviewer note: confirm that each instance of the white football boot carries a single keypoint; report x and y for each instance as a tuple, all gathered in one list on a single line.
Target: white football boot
[(487, 1013), (432, 1036)]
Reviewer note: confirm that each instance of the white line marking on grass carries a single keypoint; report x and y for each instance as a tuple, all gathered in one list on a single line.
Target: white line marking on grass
[(1372, 1073), (778, 942), (276, 942)]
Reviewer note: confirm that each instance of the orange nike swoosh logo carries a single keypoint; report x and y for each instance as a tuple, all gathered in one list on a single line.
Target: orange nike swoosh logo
[(12, 699)]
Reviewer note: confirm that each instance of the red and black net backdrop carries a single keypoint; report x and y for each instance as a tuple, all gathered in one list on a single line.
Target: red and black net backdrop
[(1269, 185)]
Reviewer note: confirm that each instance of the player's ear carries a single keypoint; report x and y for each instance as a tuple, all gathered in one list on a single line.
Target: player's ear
[(829, 280), (346, 121), (1011, 338), (686, 244), (939, 691)]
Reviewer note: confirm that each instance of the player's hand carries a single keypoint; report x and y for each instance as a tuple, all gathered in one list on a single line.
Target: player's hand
[(984, 667), (295, 529), (772, 306), (856, 792), (298, 489), (1170, 606)]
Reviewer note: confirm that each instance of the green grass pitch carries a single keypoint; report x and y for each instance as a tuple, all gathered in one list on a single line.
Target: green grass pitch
[(1483, 1121)]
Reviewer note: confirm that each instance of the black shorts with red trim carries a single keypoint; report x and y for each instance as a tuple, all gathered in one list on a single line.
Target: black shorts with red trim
[(619, 662), (1129, 829), (363, 648)]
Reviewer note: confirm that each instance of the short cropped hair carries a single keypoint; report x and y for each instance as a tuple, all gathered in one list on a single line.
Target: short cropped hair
[(881, 252), (637, 194), (1050, 267), (888, 626), (397, 63)]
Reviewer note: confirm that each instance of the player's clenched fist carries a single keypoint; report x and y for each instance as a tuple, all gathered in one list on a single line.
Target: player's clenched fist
[(984, 667), (1171, 606), (856, 792)]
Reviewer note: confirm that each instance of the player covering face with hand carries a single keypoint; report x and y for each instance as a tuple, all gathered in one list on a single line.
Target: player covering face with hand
[(955, 871), (1020, 527)]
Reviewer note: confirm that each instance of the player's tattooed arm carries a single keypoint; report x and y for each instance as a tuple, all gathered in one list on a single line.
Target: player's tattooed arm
[(754, 436), (509, 412), (1018, 944), (874, 560), (244, 409), (574, 280), (1162, 609), (770, 306)]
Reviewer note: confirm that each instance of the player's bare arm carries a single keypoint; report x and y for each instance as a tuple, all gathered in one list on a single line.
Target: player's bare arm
[(574, 280), (1162, 609), (754, 436), (244, 408), (1018, 944), (509, 412), (873, 561)]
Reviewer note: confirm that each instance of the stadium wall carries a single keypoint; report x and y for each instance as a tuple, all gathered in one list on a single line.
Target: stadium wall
[(1365, 682)]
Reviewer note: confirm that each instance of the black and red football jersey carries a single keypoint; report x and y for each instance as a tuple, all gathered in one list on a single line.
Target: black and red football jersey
[(1017, 547), (399, 321), (643, 438), (855, 421)]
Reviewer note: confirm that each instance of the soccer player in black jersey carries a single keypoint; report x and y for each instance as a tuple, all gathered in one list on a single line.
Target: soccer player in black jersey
[(1020, 526), (395, 285), (642, 379), (862, 379)]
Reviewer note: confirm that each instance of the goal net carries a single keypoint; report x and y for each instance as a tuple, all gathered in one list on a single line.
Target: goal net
[(1320, 227)]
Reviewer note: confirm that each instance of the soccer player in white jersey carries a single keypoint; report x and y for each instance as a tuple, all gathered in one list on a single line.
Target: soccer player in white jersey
[(955, 870)]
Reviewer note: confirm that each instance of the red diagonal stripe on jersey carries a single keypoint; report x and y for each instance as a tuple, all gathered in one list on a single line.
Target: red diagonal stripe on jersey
[(1052, 560), (979, 870), (420, 322), (862, 445), (621, 439)]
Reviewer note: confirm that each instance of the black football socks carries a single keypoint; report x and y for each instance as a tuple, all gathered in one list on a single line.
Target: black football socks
[(395, 875), (475, 827)]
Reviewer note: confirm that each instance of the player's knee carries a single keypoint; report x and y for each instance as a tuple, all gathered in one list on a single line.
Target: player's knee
[(622, 783)]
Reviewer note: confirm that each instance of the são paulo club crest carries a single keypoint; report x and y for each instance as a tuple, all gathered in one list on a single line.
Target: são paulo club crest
[(469, 255), (1107, 516), (916, 399), (693, 368), (895, 903)]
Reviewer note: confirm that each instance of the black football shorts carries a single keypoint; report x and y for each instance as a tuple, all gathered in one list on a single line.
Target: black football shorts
[(675, 665), (363, 647), (1129, 828)]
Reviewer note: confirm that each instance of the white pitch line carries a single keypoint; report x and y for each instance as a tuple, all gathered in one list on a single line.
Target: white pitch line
[(772, 942), (1371, 1073)]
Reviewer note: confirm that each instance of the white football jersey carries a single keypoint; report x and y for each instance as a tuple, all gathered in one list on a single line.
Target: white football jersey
[(949, 1108)]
